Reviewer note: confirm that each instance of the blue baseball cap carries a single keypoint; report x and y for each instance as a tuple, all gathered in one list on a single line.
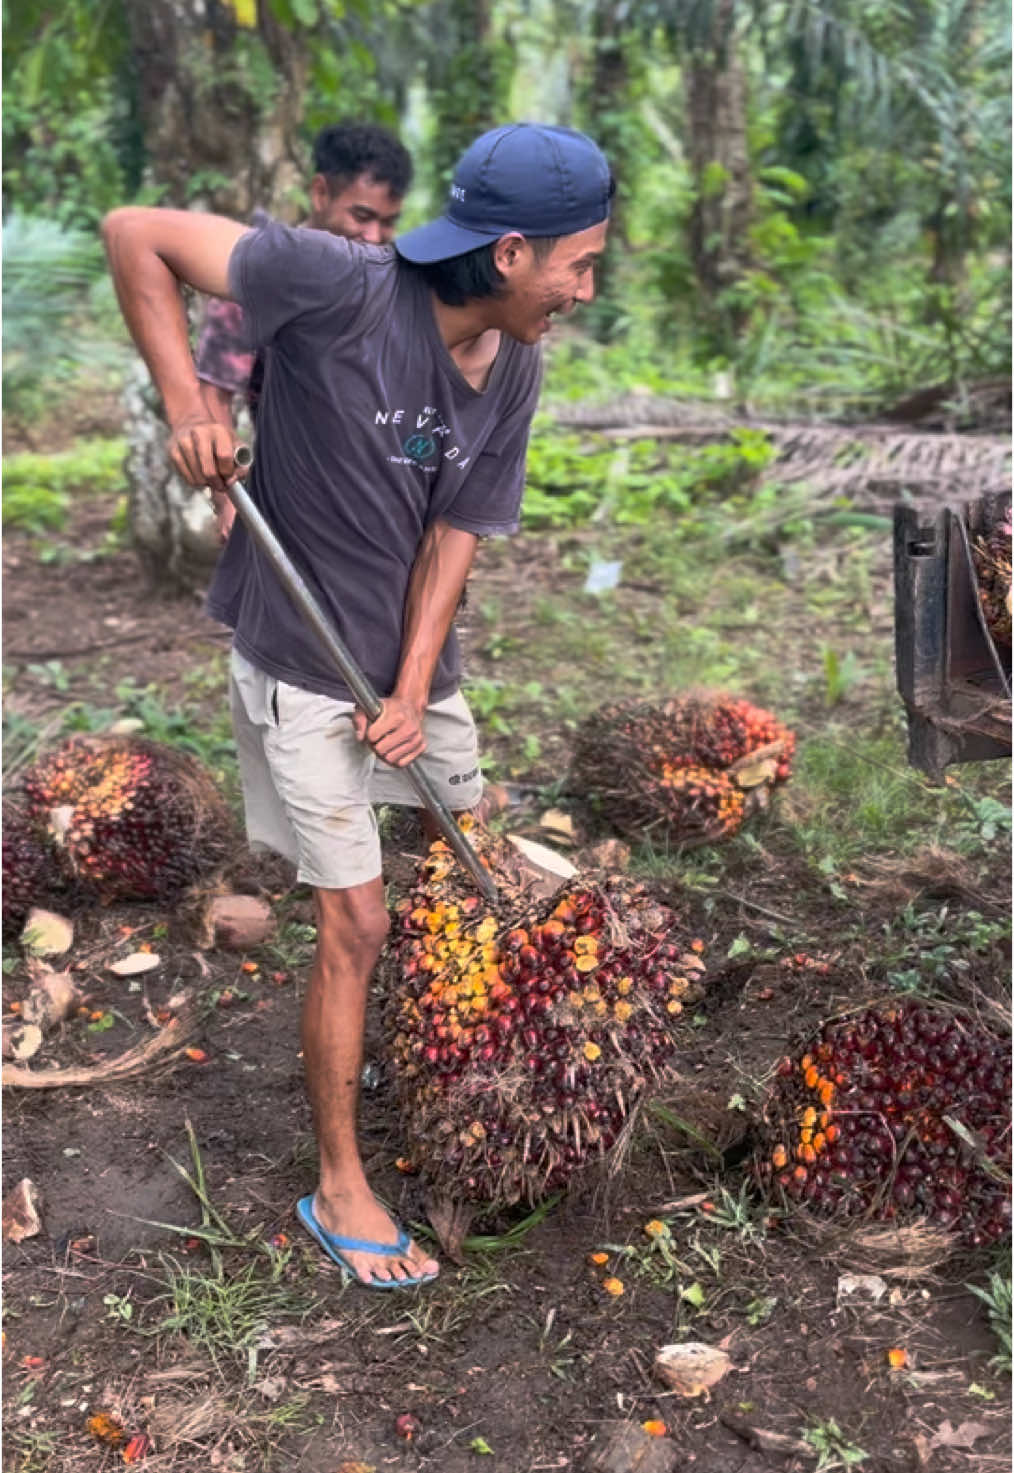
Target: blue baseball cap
[(526, 177)]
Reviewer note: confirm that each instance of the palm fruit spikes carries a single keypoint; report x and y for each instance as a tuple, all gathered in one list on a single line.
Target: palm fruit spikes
[(524, 1040), (691, 768), (896, 1113), (991, 555), (31, 874), (127, 818), (709, 803)]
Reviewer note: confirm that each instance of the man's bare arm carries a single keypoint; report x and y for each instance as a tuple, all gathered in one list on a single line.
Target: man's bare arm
[(218, 400), (150, 253), (434, 592)]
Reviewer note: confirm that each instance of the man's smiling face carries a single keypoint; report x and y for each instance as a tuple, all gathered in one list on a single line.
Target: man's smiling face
[(364, 210), (537, 289)]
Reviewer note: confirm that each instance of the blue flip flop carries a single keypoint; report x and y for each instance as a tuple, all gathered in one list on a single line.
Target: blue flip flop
[(336, 1247)]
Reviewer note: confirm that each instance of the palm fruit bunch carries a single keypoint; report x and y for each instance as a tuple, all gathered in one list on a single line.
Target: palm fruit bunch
[(691, 768), (991, 554), (523, 1039), (123, 818), (31, 875), (899, 1112)]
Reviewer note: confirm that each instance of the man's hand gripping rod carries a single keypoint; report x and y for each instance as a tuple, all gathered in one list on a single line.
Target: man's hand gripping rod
[(365, 695)]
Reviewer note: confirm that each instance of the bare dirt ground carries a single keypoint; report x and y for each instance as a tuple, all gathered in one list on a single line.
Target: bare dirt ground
[(260, 1359)]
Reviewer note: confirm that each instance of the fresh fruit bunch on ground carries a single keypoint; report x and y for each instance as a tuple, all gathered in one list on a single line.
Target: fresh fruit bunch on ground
[(524, 1039), (119, 817), (991, 554), (898, 1113), (689, 769), (31, 874)]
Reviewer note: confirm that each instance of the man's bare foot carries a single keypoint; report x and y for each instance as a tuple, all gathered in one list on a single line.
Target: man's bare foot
[(493, 801), (361, 1216)]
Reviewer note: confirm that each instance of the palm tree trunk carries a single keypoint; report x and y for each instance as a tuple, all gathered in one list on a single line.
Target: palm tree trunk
[(719, 157), (606, 104), (220, 108)]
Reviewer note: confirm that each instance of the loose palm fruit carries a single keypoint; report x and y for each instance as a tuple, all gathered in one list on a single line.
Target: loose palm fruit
[(899, 1112), (128, 818), (692, 768), (523, 1040)]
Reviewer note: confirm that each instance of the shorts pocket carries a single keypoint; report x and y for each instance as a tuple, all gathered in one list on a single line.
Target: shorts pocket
[(255, 691)]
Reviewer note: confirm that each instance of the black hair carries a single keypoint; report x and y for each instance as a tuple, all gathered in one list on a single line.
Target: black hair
[(475, 274), (344, 151)]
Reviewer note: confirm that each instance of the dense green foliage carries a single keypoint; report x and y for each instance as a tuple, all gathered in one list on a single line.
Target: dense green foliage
[(862, 150), (71, 142)]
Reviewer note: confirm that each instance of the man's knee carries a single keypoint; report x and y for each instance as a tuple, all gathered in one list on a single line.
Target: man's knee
[(352, 922)]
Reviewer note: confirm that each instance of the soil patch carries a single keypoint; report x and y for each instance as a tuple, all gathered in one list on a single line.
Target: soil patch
[(520, 1349), (92, 623)]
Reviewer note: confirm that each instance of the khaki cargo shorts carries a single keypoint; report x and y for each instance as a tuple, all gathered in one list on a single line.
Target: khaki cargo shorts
[(309, 786)]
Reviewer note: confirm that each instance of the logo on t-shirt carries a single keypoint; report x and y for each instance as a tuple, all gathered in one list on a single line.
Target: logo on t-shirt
[(432, 440), (420, 447)]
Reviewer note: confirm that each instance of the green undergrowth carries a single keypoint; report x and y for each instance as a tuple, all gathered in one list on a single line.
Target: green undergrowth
[(925, 949), (572, 478), (714, 491), (996, 1295), (38, 489), (221, 1312), (853, 794), (690, 609)]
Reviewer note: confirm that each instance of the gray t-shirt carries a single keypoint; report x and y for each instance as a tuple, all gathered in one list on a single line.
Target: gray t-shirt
[(367, 434)]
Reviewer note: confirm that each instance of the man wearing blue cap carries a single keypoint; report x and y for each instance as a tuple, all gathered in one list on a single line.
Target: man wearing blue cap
[(399, 389)]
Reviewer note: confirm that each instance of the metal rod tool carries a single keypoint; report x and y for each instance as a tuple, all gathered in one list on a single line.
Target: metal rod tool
[(366, 697)]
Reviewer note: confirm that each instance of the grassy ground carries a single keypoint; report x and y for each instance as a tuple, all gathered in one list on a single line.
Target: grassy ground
[(227, 1340)]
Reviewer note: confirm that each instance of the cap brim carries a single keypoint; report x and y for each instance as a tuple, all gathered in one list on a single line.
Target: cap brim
[(439, 240)]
